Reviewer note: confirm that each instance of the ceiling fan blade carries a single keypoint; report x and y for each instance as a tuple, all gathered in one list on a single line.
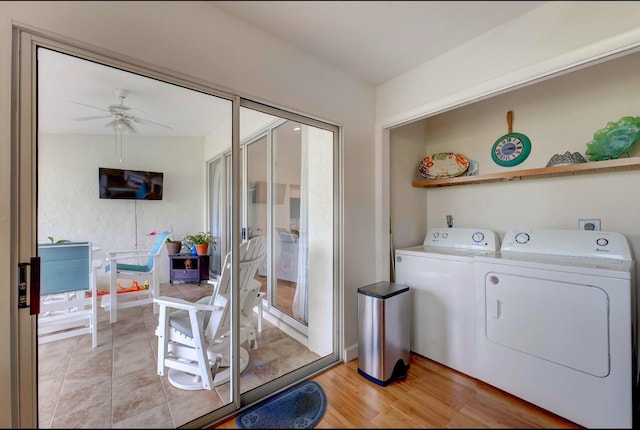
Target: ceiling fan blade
[(146, 121), (85, 118), (94, 107), (129, 127), (131, 110)]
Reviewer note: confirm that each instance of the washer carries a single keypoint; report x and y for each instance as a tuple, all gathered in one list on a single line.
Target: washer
[(556, 323), (440, 276)]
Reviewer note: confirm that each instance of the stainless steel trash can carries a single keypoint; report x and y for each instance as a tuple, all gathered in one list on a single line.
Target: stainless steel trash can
[(384, 315)]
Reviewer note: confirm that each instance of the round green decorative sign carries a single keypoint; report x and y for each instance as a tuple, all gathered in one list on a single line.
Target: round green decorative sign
[(511, 149)]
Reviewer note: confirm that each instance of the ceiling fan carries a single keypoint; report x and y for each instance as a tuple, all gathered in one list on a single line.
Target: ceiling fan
[(121, 116)]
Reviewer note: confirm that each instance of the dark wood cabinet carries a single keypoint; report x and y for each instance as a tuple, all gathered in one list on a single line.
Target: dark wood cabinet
[(188, 268)]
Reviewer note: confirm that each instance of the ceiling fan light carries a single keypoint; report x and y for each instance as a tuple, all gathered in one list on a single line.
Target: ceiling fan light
[(129, 127)]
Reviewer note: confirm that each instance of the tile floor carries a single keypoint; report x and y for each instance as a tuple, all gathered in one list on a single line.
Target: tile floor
[(116, 386)]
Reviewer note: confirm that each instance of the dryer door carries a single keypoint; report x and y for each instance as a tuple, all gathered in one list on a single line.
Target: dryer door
[(561, 322)]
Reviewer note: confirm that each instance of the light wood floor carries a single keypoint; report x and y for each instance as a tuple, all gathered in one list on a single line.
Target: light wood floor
[(431, 396)]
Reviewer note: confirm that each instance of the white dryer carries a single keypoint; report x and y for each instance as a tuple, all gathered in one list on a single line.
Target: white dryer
[(440, 276), (556, 320)]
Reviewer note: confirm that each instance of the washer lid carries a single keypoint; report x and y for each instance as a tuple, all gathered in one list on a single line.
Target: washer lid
[(435, 252)]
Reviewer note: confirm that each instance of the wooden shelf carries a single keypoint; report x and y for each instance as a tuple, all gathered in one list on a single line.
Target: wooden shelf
[(621, 164)]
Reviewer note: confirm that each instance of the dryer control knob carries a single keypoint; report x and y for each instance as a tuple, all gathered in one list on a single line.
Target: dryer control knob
[(399, 259), (435, 235), (602, 241), (522, 238), (478, 237)]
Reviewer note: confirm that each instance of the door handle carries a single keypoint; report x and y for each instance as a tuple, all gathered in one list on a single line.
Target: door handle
[(35, 286), (34, 277), (496, 309), (499, 309)]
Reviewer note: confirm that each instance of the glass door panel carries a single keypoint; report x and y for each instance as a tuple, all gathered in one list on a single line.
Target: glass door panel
[(293, 204), (68, 207)]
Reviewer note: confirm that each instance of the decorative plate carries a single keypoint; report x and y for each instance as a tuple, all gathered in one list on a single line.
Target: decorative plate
[(443, 165), (615, 139)]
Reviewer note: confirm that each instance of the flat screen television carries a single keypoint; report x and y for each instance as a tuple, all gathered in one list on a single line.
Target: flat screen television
[(129, 184)]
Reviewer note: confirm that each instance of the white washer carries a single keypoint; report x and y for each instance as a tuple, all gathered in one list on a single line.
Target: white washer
[(440, 276), (555, 311)]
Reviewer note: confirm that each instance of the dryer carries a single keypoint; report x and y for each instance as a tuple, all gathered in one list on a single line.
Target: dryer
[(556, 323), (440, 276)]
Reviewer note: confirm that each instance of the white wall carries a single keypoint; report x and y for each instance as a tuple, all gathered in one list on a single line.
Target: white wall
[(68, 203), (198, 40)]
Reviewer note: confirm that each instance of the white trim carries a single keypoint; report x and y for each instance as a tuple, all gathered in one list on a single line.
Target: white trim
[(350, 352), (603, 50)]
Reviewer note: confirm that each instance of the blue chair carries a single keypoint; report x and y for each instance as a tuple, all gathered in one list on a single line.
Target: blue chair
[(129, 270), (66, 274)]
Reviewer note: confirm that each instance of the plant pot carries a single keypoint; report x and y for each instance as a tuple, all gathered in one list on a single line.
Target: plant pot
[(202, 248), (173, 247)]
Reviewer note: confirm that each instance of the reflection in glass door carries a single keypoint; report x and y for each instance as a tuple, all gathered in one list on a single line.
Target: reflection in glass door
[(273, 209), (292, 202)]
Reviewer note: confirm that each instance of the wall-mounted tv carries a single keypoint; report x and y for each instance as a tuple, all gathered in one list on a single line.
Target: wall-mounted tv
[(129, 184)]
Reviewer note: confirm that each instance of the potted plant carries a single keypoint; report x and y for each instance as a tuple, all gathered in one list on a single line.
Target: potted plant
[(174, 246), (201, 241), (58, 241)]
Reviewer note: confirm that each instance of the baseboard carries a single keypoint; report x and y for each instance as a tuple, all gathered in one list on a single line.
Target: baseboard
[(351, 352)]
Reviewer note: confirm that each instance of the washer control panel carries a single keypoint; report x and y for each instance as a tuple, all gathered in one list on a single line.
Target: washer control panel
[(570, 243), (463, 238)]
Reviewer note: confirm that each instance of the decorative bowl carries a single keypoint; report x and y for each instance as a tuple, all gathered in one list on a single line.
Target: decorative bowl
[(565, 159), (615, 139)]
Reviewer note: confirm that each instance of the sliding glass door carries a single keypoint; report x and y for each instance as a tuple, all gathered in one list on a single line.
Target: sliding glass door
[(290, 198), (269, 173)]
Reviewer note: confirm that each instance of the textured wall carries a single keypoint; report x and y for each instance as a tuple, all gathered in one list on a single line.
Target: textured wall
[(68, 203)]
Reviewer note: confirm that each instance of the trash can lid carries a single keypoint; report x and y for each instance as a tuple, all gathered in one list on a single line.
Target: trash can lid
[(383, 290)]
